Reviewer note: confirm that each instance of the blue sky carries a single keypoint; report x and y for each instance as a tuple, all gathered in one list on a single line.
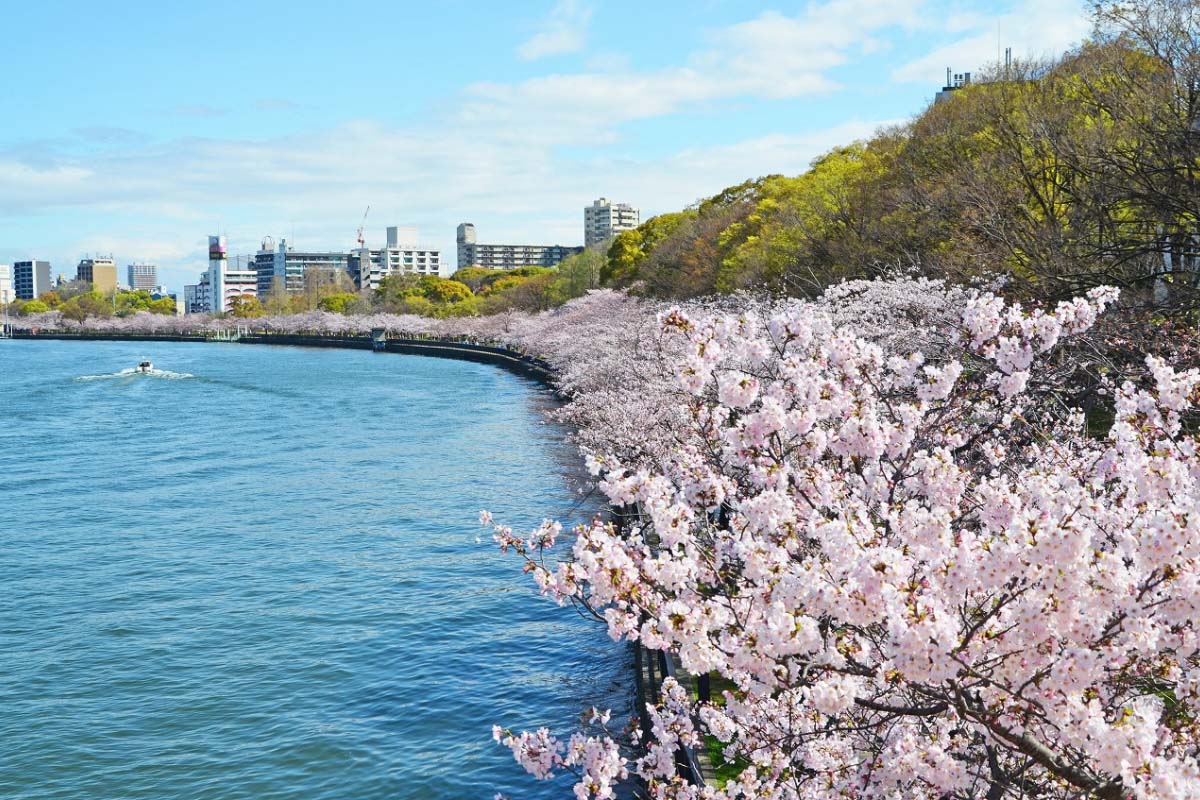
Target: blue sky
[(140, 128)]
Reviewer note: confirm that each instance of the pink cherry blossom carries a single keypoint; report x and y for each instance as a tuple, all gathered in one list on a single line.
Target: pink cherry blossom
[(916, 572)]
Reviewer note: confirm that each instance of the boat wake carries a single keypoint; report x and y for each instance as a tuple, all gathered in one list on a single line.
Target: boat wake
[(133, 372)]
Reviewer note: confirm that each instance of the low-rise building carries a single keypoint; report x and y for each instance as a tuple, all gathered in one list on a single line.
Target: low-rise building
[(604, 219), (31, 278), (100, 272), (507, 256), (402, 254)]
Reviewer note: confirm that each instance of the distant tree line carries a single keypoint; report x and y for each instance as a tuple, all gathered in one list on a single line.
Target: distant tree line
[(472, 291), (77, 300)]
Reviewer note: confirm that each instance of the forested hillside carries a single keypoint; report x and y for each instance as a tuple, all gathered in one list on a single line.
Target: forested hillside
[(1059, 176)]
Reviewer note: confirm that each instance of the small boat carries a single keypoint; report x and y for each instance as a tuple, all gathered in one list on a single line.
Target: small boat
[(145, 366)]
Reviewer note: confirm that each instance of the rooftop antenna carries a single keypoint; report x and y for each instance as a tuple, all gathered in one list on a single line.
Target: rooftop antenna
[(997, 43)]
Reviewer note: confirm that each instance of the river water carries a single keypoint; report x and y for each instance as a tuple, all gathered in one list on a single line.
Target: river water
[(258, 573)]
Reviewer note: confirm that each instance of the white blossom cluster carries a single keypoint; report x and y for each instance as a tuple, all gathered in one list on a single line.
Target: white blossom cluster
[(917, 577)]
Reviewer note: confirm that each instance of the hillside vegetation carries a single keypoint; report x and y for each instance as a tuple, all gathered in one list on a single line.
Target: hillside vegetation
[(1058, 176)]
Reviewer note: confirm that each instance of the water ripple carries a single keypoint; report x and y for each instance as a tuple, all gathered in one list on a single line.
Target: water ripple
[(263, 581)]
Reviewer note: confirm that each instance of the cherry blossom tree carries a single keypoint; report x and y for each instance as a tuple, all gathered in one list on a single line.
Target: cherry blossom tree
[(612, 359), (48, 320), (916, 572)]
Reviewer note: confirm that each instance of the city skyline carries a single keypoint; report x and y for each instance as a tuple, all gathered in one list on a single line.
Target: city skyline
[(511, 119)]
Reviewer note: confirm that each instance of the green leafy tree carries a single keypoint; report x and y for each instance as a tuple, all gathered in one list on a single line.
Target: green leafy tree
[(444, 290), (276, 302), (476, 278), (73, 288), (575, 275), (89, 304), (395, 290), (339, 303), (71, 310), (246, 306), (163, 305), (630, 248)]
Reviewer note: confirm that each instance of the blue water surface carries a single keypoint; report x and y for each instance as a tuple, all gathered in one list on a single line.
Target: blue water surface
[(257, 574)]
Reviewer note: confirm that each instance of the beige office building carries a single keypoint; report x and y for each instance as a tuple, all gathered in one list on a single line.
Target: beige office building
[(101, 273)]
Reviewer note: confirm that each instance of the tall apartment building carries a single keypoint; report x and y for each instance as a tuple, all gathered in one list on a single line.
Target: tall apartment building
[(507, 256), (219, 285), (30, 278), (292, 266), (100, 272), (6, 285), (142, 276), (603, 220), (402, 254)]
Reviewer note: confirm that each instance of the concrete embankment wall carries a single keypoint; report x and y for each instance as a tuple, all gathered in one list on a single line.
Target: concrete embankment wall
[(511, 360), (502, 357), (111, 337)]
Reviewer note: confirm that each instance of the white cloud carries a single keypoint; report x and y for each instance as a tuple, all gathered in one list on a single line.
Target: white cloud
[(141, 247), (768, 52), (1034, 29), (162, 202), (772, 56), (564, 31)]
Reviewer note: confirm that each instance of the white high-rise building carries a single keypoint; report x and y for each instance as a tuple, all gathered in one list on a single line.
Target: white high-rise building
[(6, 285), (142, 276), (219, 285), (402, 254), (604, 219), (227, 284)]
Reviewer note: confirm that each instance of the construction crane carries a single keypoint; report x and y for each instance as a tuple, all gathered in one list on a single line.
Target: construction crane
[(361, 241)]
